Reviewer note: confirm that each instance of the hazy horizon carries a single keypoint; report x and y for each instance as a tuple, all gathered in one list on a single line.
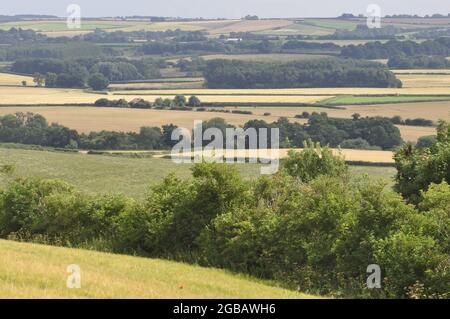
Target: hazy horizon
[(230, 9)]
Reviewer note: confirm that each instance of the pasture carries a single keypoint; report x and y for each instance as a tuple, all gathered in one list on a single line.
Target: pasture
[(38, 271), (133, 176)]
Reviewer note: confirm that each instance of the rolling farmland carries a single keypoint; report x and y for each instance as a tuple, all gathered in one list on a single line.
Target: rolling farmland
[(88, 119)]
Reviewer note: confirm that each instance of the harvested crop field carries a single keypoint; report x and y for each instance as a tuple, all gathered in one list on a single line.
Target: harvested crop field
[(36, 95), (425, 80), (88, 119), (14, 79), (413, 133)]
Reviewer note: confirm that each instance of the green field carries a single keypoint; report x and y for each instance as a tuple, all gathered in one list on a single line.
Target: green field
[(112, 174), (38, 271), (354, 99)]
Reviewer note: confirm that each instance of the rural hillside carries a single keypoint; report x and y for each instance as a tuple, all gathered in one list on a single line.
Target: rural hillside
[(224, 156), (118, 276)]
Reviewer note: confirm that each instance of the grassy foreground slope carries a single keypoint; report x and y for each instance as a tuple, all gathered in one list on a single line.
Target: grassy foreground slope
[(38, 271)]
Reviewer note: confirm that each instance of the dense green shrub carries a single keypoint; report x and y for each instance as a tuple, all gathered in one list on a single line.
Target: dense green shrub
[(417, 168)]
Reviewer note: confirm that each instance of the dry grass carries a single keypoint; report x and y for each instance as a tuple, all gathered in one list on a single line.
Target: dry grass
[(38, 271), (13, 79)]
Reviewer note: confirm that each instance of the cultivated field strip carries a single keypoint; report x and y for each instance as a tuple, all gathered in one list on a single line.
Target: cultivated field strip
[(368, 156)]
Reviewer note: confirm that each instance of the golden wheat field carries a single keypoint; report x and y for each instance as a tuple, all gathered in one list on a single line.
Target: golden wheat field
[(88, 119), (14, 79)]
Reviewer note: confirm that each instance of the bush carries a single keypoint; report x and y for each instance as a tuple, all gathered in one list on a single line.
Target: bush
[(417, 168), (426, 141), (312, 162)]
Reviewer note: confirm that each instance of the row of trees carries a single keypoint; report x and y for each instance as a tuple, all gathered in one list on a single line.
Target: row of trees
[(179, 101), (16, 35), (418, 62), (378, 50), (314, 73), (309, 226), (94, 71), (32, 128)]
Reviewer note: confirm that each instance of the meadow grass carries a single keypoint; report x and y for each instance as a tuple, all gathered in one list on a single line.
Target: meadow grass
[(39, 271), (112, 174)]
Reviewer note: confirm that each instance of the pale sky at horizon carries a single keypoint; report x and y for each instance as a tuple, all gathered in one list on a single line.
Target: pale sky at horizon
[(224, 8)]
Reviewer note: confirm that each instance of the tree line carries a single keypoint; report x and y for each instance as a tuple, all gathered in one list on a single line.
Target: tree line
[(96, 72), (309, 227), (418, 62), (315, 73), (378, 50), (34, 129)]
